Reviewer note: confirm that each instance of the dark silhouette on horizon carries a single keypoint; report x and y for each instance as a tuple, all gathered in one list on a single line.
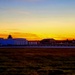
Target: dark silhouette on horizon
[(48, 42), (9, 37)]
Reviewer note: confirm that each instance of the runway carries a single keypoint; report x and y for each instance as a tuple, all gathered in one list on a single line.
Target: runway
[(37, 46)]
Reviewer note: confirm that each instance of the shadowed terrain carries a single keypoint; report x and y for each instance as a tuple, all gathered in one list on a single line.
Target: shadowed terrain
[(15, 61)]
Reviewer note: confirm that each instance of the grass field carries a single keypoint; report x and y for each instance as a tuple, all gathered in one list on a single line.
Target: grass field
[(37, 61)]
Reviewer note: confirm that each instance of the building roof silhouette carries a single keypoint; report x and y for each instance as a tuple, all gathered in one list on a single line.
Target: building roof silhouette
[(9, 37)]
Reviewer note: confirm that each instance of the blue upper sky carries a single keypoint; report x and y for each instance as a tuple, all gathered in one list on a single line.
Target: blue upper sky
[(39, 7)]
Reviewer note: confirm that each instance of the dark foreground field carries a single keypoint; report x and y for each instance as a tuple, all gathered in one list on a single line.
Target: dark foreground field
[(37, 61)]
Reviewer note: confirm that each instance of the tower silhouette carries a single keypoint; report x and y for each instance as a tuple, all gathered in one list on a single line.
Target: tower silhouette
[(9, 37)]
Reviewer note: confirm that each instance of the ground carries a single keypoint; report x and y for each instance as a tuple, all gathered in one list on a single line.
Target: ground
[(37, 61)]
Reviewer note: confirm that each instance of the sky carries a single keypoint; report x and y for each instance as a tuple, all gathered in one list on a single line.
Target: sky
[(37, 19)]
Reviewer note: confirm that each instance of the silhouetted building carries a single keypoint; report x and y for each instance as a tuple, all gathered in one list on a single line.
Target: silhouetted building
[(11, 41), (47, 42), (9, 37), (20, 41), (33, 42)]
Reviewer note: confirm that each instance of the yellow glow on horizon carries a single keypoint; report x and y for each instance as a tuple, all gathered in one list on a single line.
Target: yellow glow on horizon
[(57, 28)]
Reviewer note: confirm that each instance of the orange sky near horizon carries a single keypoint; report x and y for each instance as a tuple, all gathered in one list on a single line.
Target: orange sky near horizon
[(30, 36)]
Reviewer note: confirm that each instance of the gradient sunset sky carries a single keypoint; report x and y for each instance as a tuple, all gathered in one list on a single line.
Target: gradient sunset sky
[(37, 19)]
